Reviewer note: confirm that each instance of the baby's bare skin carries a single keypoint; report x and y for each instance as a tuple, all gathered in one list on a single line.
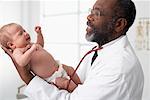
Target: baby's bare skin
[(32, 55), (42, 61)]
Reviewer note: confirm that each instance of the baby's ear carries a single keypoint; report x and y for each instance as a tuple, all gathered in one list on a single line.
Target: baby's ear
[(11, 45)]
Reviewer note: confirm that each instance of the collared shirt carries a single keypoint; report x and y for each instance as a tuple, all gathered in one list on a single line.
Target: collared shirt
[(116, 74)]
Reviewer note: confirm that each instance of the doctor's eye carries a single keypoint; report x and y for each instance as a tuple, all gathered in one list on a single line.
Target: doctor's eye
[(95, 12)]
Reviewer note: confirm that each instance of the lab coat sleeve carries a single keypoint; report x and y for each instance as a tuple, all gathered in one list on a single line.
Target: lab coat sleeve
[(38, 89), (92, 89)]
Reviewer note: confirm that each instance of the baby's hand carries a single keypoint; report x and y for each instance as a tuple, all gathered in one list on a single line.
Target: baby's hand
[(35, 47), (28, 46), (38, 30)]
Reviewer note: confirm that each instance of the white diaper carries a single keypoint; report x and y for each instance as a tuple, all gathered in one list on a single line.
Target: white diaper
[(60, 73)]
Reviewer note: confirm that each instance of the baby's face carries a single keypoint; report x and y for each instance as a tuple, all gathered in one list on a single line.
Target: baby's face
[(20, 38)]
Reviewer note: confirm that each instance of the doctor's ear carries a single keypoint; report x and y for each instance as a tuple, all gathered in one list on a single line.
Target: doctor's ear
[(11, 45), (121, 23)]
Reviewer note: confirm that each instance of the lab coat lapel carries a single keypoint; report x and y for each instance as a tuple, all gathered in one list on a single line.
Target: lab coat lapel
[(110, 48)]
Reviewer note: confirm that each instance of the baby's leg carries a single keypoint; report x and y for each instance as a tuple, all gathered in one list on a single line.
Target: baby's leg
[(62, 83), (70, 71)]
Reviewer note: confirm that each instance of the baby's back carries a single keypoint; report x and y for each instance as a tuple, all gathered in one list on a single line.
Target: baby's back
[(42, 63)]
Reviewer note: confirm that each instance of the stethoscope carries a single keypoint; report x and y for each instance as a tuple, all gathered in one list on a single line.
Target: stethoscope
[(93, 50)]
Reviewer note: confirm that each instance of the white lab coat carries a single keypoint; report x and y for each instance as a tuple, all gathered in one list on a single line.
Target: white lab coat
[(116, 74)]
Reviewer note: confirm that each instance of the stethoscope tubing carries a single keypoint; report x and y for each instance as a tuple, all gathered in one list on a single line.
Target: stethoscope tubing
[(81, 62)]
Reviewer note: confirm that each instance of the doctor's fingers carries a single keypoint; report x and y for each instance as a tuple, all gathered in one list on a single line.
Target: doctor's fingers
[(61, 82), (7, 51)]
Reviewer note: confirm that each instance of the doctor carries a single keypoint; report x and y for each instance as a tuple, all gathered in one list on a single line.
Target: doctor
[(116, 73)]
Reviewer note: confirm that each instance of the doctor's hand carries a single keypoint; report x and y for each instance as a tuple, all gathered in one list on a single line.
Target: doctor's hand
[(62, 83), (23, 71)]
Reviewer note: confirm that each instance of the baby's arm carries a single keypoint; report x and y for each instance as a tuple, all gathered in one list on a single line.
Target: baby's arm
[(23, 50), (23, 58), (40, 39)]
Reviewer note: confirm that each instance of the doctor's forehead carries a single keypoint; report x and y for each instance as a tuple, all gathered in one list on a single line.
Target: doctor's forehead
[(105, 4)]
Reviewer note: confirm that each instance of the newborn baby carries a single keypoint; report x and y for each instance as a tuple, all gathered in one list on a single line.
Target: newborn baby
[(15, 38)]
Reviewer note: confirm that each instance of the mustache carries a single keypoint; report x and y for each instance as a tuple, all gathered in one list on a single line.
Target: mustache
[(91, 25)]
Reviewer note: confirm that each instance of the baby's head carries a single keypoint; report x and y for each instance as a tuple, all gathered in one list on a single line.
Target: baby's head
[(14, 36)]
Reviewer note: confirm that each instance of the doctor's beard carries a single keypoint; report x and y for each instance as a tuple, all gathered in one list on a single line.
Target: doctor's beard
[(90, 37), (102, 34)]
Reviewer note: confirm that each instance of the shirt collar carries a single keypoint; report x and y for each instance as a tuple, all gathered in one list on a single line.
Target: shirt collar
[(113, 46), (112, 42)]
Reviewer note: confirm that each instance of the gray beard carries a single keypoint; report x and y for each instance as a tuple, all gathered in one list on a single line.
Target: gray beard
[(107, 28), (90, 37)]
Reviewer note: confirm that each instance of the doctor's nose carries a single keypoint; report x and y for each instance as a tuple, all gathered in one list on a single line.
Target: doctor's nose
[(89, 17)]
